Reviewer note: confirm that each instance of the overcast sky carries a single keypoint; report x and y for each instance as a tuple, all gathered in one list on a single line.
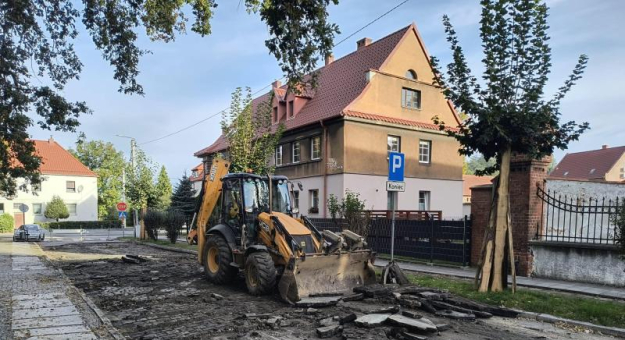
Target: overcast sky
[(192, 78)]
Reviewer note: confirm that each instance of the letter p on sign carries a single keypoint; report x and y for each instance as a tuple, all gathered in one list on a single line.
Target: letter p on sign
[(396, 166)]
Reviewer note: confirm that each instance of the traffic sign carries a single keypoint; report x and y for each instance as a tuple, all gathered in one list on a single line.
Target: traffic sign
[(23, 208), (396, 167), (396, 186), (121, 206), (122, 214)]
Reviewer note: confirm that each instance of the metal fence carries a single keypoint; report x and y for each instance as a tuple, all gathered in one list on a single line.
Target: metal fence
[(577, 220), (430, 240)]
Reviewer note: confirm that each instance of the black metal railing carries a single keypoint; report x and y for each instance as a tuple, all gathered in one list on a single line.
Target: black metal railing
[(429, 240), (578, 220)]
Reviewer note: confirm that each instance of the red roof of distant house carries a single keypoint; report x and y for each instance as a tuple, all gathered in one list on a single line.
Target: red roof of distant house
[(469, 181), (339, 83), (55, 160), (199, 170), (587, 165)]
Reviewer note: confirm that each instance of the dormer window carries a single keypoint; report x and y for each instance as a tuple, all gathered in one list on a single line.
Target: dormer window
[(275, 114), (291, 109), (411, 74)]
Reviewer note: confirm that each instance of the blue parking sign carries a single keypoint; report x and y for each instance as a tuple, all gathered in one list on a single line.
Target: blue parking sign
[(396, 166)]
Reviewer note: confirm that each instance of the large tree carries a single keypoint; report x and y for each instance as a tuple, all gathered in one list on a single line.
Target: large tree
[(140, 189), (163, 189), (508, 111), (477, 165), (37, 56), (183, 199), (106, 161), (251, 136)]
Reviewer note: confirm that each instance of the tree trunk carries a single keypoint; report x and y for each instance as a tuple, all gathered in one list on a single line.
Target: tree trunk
[(497, 238)]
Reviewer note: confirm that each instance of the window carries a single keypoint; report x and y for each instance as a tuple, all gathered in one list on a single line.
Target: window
[(16, 207), (291, 112), (37, 208), (425, 151), (411, 74), (70, 186), (275, 114), (194, 173), (296, 199), (314, 201), (279, 155), (315, 147), (393, 143), (1, 208), (410, 98), (424, 200), (391, 202), (71, 208), (295, 153)]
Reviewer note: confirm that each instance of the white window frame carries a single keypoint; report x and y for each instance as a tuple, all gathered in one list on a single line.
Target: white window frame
[(291, 109), (278, 152), (425, 158), (40, 209), (299, 152), (314, 202), (73, 190), (410, 104), (427, 198), (296, 199), (75, 213), (312, 148), (389, 145)]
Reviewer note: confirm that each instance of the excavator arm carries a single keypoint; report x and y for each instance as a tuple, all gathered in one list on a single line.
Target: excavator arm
[(211, 189)]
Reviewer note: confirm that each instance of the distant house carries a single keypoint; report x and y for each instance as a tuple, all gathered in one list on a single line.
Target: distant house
[(603, 165), (197, 175), (63, 175), (374, 100), (468, 182)]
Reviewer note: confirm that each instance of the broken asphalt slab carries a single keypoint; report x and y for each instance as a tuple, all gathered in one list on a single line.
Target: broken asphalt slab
[(318, 302), (420, 325)]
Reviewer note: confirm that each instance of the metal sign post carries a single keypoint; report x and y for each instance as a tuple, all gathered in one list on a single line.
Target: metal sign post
[(394, 185)]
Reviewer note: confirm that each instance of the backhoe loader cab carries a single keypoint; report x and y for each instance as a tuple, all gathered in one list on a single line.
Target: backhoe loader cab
[(246, 222)]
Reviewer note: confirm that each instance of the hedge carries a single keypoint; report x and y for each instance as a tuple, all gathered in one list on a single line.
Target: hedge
[(6, 223), (81, 225)]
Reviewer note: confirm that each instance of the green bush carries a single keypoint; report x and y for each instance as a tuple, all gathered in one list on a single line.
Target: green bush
[(81, 225), (153, 220), (6, 223), (56, 209), (173, 221)]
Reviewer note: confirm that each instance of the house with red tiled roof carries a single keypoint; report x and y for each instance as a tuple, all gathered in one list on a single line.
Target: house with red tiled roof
[(197, 175), (62, 175), (377, 99), (602, 165)]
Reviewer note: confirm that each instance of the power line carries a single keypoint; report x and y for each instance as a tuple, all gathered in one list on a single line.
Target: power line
[(253, 94)]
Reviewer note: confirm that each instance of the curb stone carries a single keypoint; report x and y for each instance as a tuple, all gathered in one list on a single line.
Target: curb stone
[(97, 311), (614, 331)]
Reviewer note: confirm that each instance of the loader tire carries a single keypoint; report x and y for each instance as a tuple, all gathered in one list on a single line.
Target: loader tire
[(217, 259), (260, 273)]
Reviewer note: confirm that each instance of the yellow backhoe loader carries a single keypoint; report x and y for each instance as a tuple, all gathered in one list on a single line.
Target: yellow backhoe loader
[(247, 222)]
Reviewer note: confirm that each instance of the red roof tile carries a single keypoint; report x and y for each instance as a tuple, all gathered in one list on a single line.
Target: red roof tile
[(339, 83), (588, 165), (469, 181), (200, 173), (57, 161), (393, 120)]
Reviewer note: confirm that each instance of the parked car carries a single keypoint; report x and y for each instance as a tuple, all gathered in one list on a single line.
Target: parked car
[(29, 232)]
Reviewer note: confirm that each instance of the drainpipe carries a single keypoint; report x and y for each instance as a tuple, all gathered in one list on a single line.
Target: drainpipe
[(325, 167)]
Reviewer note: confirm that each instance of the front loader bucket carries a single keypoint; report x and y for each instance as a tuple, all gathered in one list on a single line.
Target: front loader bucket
[(323, 274)]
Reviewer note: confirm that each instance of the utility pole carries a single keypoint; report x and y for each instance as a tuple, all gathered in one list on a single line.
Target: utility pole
[(133, 145), (124, 193)]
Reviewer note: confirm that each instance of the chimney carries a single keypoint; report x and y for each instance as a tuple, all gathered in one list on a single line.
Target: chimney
[(604, 146), (51, 140), (364, 42), (329, 59), (276, 84)]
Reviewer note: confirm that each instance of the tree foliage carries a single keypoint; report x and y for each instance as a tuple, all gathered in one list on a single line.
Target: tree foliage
[(152, 220), (7, 223), (56, 209), (140, 189), (108, 163), (173, 221), (351, 209), (37, 57), (163, 189), (183, 199), (508, 111), (478, 165), (619, 225), (251, 136)]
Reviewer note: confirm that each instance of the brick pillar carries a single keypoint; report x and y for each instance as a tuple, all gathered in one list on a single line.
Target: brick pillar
[(525, 209)]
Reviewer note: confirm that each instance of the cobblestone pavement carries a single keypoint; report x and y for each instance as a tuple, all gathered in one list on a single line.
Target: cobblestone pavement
[(37, 302)]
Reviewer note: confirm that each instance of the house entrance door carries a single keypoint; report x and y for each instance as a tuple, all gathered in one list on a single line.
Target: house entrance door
[(19, 219)]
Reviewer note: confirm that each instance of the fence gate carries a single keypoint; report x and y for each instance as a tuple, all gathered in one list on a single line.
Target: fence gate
[(578, 220)]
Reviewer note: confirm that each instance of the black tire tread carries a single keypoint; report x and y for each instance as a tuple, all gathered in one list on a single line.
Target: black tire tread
[(266, 270), (226, 272)]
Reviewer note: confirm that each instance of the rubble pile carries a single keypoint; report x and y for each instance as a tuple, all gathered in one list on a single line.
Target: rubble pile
[(395, 312)]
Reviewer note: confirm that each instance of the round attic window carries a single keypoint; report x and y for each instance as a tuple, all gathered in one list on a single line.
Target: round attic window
[(411, 74)]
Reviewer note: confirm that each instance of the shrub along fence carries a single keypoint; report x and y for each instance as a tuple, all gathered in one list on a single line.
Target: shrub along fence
[(430, 240), (82, 225)]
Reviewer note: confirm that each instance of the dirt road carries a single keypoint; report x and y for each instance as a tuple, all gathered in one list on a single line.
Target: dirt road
[(167, 297)]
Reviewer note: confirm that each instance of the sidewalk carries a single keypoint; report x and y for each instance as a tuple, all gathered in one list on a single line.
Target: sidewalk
[(564, 286), (37, 303)]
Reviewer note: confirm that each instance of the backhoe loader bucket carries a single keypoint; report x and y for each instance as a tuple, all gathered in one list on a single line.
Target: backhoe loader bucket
[(324, 274)]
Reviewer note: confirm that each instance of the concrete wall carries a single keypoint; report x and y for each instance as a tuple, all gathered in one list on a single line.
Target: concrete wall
[(85, 198), (586, 190), (601, 265)]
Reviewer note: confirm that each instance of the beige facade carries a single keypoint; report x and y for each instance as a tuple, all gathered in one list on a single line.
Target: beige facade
[(617, 173)]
